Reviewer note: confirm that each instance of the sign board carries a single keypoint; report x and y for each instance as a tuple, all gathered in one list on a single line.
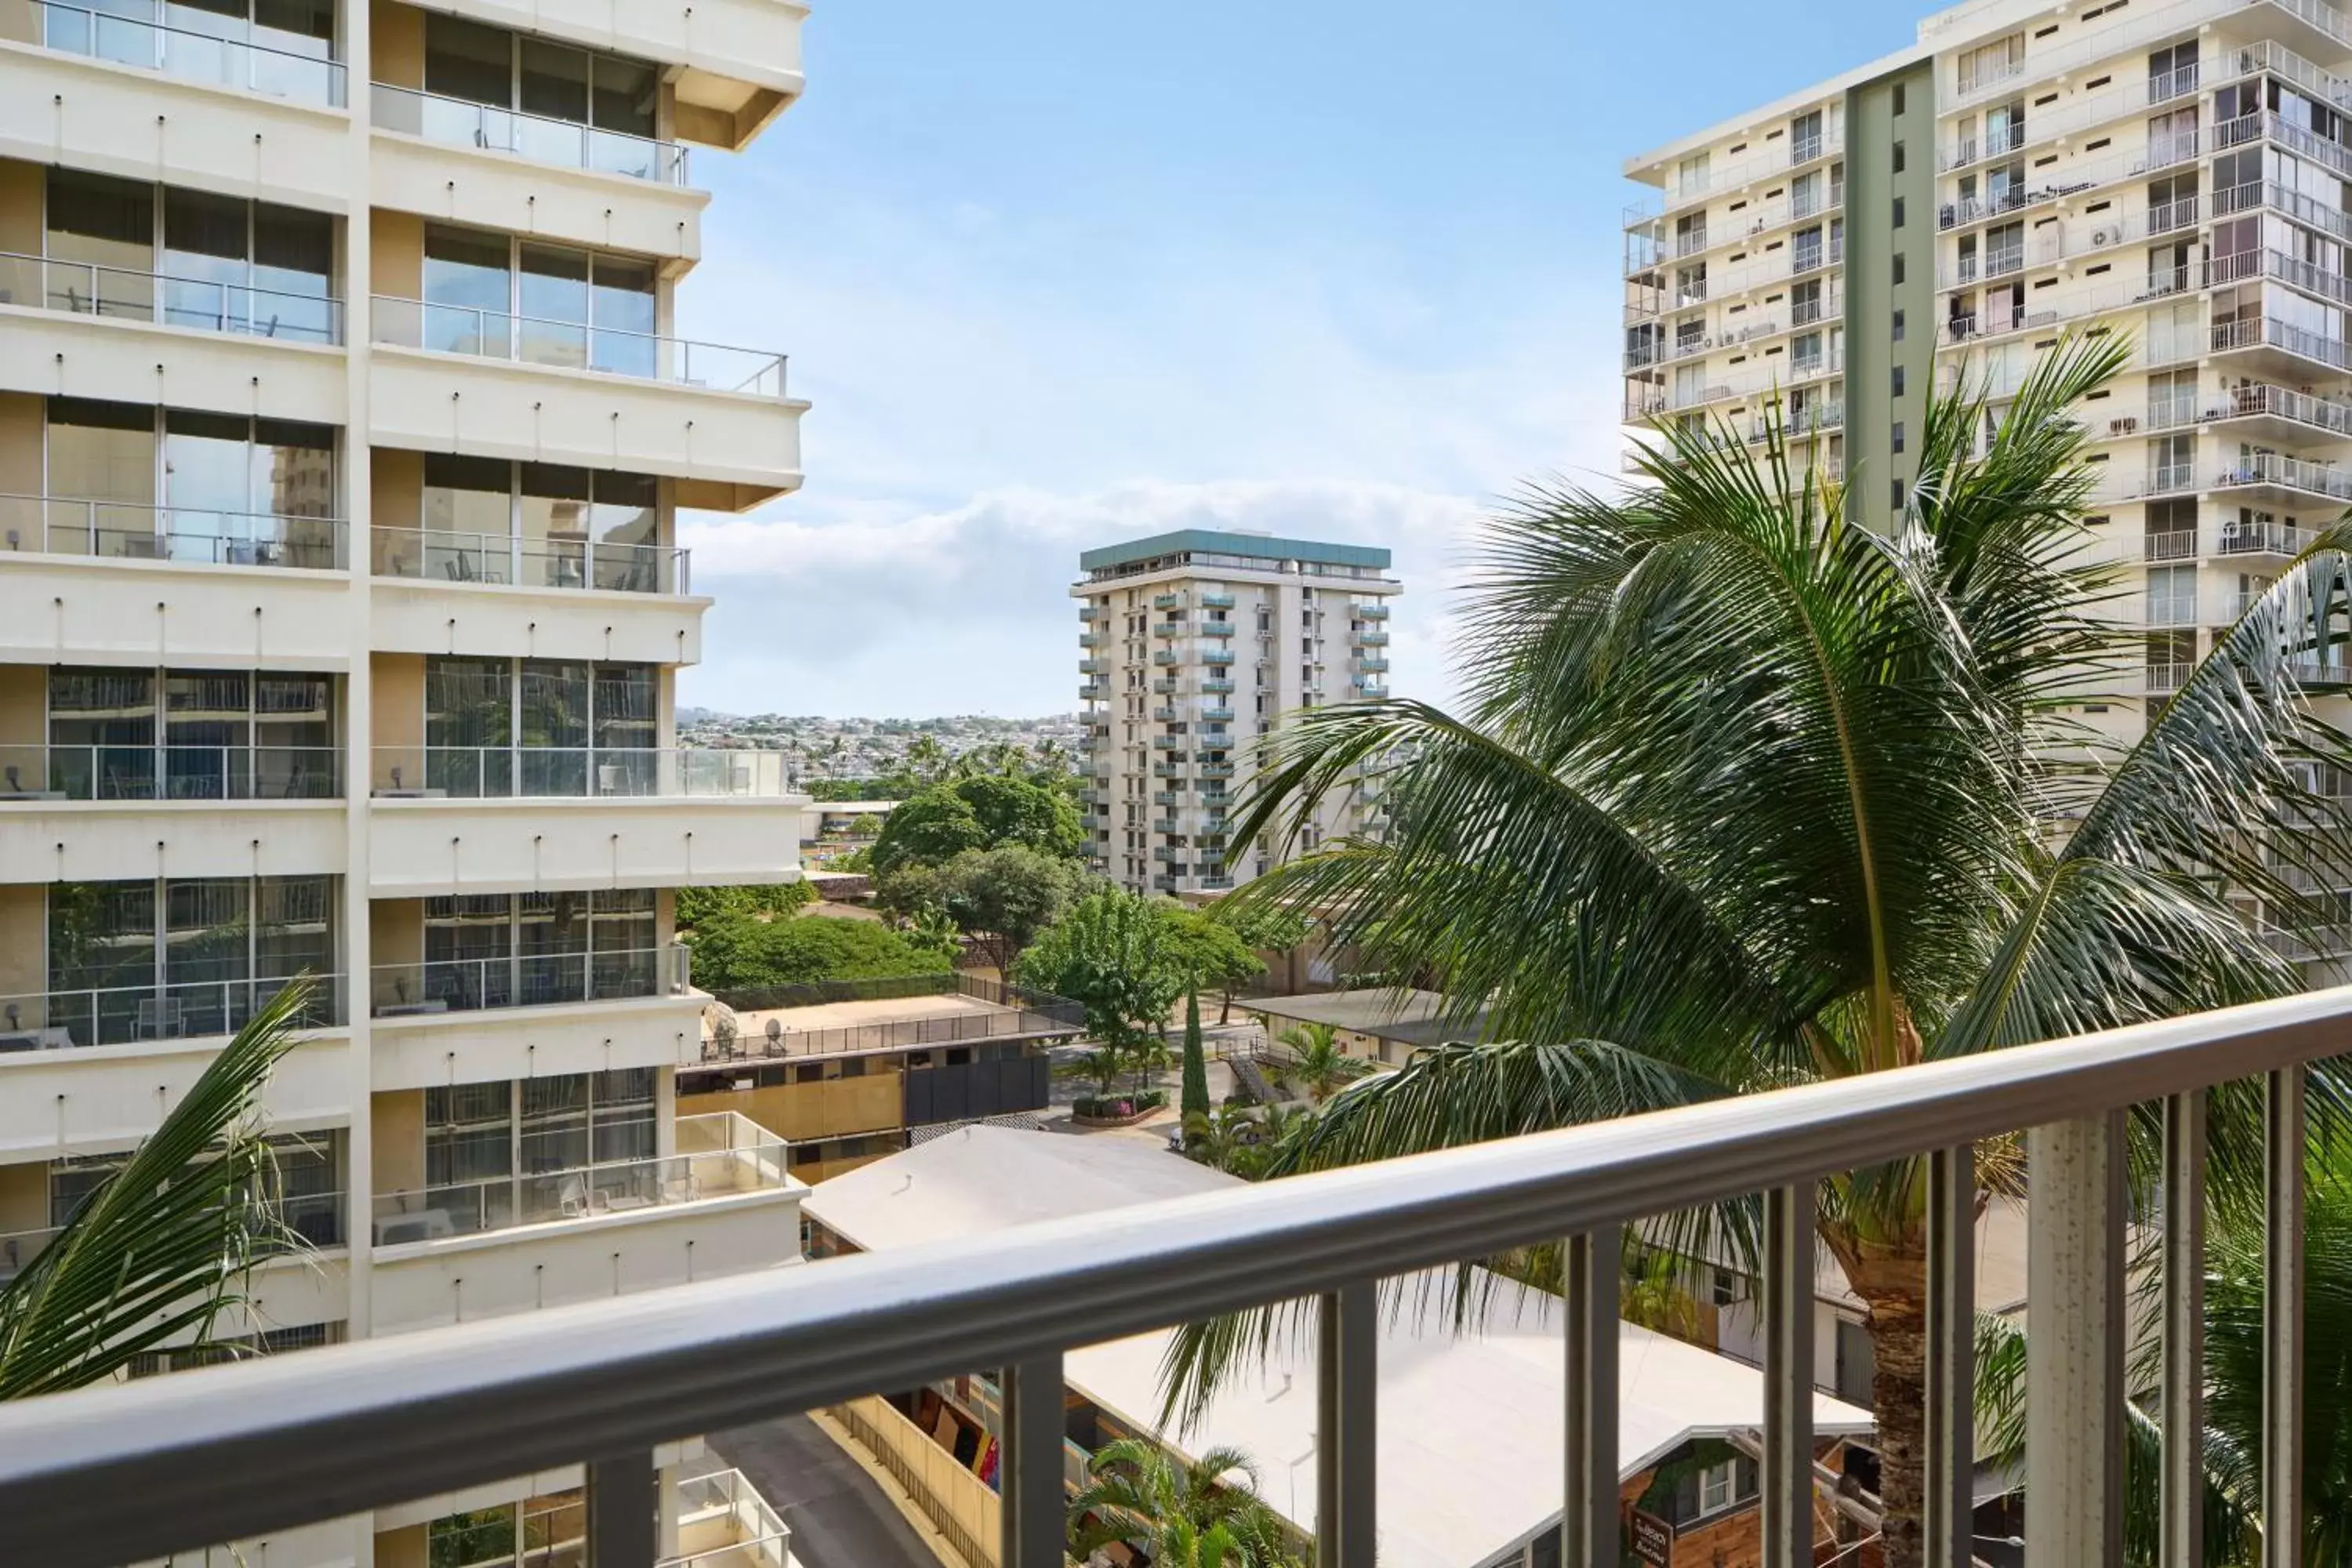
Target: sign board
[(1654, 1541)]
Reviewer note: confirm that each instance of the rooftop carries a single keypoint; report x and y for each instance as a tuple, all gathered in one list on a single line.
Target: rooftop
[(1470, 1440), (1407, 1016), (1212, 541), (906, 1014)]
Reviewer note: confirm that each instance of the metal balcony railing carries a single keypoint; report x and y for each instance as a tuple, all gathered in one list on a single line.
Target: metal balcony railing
[(175, 1010), (459, 122), (129, 531), (440, 985), (38, 771), (577, 773), (575, 345), (2277, 469), (614, 567), (722, 1155), (2268, 331), (135, 1471), (199, 304), (209, 59)]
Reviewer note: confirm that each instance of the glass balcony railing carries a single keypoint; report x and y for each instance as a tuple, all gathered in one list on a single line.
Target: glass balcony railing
[(512, 560), (130, 531), (199, 304), (719, 1155), (575, 345), (575, 773), (133, 1015), (38, 771), (299, 73), (524, 980), (459, 122)]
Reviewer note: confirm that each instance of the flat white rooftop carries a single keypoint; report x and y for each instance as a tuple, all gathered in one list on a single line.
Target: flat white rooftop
[(1470, 1445)]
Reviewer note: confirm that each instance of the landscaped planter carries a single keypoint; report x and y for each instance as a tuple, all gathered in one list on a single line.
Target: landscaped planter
[(1119, 1109)]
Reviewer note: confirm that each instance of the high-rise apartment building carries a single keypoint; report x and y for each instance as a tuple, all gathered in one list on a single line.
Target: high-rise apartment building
[(2172, 172), (344, 428), (1194, 645)]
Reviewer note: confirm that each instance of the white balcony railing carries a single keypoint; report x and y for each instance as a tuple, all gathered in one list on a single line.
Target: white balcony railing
[(136, 1471), (39, 772), (175, 1009), (719, 1155), (575, 345), (130, 530), (566, 143), (579, 773), (200, 304), (2083, 112), (296, 68), (438, 985), (434, 555)]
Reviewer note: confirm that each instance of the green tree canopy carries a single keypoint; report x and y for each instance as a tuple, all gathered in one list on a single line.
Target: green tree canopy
[(1115, 954), (737, 953), (1745, 793), (983, 812), (1000, 898), (698, 905)]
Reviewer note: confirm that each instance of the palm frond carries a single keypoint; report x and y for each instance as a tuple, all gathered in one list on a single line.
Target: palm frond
[(157, 1257)]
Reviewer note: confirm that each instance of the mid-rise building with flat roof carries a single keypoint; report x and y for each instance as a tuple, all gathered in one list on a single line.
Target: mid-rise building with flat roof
[(345, 425), (1192, 647)]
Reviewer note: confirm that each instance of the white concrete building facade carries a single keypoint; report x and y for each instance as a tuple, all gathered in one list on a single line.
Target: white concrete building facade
[(2174, 173), (1192, 646), (344, 429)]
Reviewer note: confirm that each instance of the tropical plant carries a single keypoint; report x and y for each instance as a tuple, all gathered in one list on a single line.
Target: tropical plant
[(1138, 1494), (1195, 1101), (777, 900), (2234, 1392), (1115, 956), (159, 1254), (1000, 898), (980, 811), (1747, 794), (741, 952), (1316, 1059), (1211, 951)]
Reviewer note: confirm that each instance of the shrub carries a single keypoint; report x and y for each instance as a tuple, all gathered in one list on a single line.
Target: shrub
[(737, 952)]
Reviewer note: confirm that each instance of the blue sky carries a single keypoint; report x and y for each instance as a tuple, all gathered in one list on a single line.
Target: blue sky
[(1059, 272)]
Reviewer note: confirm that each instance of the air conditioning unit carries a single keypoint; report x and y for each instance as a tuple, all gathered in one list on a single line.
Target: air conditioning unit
[(2100, 236)]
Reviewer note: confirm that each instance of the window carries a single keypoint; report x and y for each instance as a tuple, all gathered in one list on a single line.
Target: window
[(1898, 221), (553, 85), (213, 735), (1894, 436), (1895, 155), (1895, 380), (189, 258), (1895, 496), (1895, 269), (1898, 96), (1996, 61), (1718, 1487), (183, 958), (1894, 328), (485, 520)]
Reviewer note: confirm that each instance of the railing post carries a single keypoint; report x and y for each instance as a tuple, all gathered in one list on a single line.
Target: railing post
[(2074, 1323), (2282, 1269), (1788, 1478), (621, 1525), (1590, 1268), (1034, 1531), (2181, 1526), (1347, 1434), (1952, 1357)]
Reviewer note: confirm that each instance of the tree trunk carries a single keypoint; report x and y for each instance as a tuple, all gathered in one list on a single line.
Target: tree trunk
[(1894, 1291)]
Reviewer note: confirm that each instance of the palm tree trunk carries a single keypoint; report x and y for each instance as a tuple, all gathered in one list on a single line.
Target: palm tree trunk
[(1894, 1291)]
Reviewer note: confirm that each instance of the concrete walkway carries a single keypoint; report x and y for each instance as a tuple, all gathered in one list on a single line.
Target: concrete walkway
[(838, 1517)]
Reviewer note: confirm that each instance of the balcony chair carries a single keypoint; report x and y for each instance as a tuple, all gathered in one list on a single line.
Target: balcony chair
[(159, 1018)]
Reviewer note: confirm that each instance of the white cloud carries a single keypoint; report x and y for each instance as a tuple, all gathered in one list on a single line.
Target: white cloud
[(996, 390)]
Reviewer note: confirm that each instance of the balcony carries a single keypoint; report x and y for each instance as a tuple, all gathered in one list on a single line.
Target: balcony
[(1171, 628), (1213, 686), (437, 988), (563, 143), (1212, 601), (1217, 655), (169, 1012), (569, 393), (204, 59), (160, 298), (723, 1204), (1372, 639), (129, 1473), (102, 813), (1166, 601), (459, 819), (2276, 470), (1374, 610), (123, 531)]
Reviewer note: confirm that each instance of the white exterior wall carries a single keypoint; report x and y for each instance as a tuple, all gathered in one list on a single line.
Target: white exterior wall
[(728, 67), (1306, 655)]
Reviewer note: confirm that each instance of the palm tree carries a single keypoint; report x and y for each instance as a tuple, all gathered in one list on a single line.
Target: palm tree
[(1138, 1492), (1316, 1059), (1747, 794), (158, 1256)]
